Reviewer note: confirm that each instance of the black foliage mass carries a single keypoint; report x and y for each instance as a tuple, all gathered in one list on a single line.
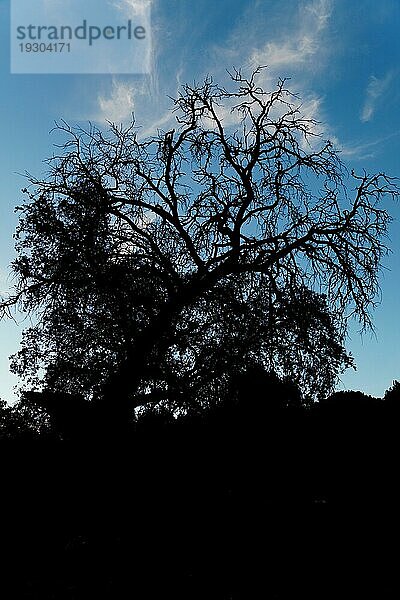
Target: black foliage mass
[(257, 497)]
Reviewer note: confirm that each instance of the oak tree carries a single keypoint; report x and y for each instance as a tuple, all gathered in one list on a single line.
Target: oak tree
[(156, 267)]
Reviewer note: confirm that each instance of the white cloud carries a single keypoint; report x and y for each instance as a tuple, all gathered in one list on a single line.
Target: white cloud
[(288, 53), (119, 105), (320, 12), (133, 9), (299, 45), (375, 90), (165, 122), (363, 150)]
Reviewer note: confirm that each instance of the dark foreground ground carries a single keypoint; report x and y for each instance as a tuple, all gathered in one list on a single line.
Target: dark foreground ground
[(275, 504)]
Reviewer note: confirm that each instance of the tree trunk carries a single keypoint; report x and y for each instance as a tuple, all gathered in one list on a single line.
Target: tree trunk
[(119, 389)]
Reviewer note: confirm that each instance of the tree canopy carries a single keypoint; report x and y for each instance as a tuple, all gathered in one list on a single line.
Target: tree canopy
[(157, 268)]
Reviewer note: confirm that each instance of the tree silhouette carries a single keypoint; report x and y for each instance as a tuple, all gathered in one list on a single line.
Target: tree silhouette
[(158, 267), (22, 421), (393, 393)]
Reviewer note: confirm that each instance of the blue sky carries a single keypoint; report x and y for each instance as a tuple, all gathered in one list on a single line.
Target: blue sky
[(343, 59)]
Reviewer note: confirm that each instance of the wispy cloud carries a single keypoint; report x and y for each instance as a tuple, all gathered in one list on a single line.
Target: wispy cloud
[(375, 90), (119, 105), (132, 8), (301, 42), (364, 150)]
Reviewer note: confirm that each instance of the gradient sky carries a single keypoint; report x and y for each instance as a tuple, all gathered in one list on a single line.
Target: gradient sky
[(343, 59)]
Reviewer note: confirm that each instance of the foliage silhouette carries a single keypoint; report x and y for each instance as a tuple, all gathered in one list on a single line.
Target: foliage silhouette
[(392, 395)]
